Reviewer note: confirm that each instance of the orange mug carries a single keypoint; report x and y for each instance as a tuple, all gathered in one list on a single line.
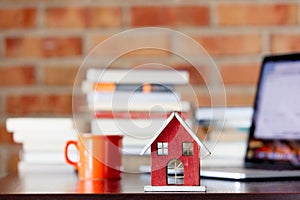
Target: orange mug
[(99, 156)]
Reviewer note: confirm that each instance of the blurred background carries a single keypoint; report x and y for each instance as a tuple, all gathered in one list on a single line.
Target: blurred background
[(43, 42)]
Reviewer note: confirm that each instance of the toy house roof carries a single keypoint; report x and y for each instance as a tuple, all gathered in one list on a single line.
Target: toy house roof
[(183, 123)]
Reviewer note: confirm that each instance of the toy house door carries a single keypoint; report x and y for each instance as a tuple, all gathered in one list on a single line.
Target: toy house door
[(175, 172)]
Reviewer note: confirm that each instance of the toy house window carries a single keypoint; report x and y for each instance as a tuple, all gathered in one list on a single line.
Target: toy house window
[(175, 172), (187, 149), (162, 148)]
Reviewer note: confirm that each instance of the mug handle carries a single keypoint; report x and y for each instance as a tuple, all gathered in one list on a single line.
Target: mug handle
[(75, 164)]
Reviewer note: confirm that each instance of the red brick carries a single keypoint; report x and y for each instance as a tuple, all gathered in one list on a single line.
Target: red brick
[(242, 14), (38, 104), (17, 18), (60, 75), (5, 136), (198, 98), (43, 46), (231, 100), (240, 74), (285, 43), (170, 16), (197, 76), (140, 46), (80, 17), (17, 76), (204, 100), (230, 44), (240, 99)]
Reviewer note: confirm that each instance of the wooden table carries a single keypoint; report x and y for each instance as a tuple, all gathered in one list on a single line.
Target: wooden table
[(60, 182)]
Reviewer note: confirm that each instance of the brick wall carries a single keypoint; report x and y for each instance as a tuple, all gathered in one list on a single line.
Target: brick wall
[(42, 44)]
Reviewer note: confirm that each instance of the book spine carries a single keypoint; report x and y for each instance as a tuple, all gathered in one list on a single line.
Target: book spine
[(132, 97), (136, 115), (141, 128), (138, 76), (146, 88), (112, 87), (154, 107)]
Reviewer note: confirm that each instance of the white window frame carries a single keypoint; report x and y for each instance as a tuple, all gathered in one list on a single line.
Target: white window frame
[(187, 148), (175, 172), (162, 148)]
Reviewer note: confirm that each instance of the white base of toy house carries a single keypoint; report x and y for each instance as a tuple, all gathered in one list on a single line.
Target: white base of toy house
[(149, 188)]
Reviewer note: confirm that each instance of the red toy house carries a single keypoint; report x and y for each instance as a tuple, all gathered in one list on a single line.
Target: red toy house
[(175, 157)]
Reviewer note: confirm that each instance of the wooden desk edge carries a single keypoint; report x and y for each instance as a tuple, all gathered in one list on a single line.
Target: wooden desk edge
[(156, 196)]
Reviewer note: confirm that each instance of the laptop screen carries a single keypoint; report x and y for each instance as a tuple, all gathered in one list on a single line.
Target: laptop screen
[(274, 138)]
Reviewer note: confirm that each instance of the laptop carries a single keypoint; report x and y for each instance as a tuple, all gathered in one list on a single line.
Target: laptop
[(273, 146)]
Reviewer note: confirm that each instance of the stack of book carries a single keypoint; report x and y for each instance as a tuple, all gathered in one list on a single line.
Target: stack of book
[(133, 103), (43, 139), (10, 152), (232, 122)]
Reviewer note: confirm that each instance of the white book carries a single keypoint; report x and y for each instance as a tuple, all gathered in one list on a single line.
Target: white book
[(237, 117), (182, 106), (136, 76), (131, 97), (218, 113), (136, 132), (42, 133), (140, 128)]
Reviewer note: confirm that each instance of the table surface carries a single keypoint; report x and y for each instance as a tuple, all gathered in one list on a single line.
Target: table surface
[(62, 180)]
